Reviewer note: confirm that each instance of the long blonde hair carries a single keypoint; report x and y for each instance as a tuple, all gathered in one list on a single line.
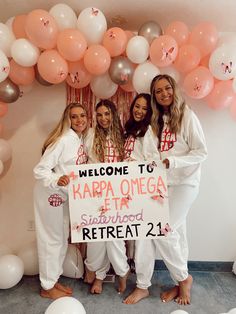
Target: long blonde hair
[(63, 125), (176, 109), (115, 131)]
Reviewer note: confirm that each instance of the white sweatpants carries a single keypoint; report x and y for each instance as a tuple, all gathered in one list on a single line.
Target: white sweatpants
[(100, 254), (52, 231), (173, 248)]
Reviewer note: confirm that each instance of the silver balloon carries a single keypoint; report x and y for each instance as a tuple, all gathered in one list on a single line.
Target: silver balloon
[(150, 30), (40, 79), (121, 70), (9, 91)]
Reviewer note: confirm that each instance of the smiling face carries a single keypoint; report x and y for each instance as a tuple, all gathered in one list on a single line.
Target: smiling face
[(104, 117), (79, 120), (140, 109), (164, 93)]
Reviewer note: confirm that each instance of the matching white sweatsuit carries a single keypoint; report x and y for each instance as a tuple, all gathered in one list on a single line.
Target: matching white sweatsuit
[(51, 205)]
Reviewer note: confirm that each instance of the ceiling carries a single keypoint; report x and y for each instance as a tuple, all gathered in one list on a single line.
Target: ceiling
[(131, 14)]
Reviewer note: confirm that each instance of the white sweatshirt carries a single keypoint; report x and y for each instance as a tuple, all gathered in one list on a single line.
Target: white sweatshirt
[(185, 150), (68, 150)]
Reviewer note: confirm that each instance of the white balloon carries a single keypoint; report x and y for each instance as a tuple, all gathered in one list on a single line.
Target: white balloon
[(1, 171), (11, 271), (6, 39), (171, 71), (4, 66), (73, 266), (9, 22), (4, 249), (103, 87), (5, 150), (29, 256), (66, 305), (137, 49), (232, 311), (179, 312), (64, 16), (143, 75), (92, 23), (24, 52)]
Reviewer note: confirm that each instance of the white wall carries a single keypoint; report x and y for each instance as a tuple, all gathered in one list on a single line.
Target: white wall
[(211, 221)]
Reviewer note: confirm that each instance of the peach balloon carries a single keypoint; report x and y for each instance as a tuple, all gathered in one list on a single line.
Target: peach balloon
[(21, 75), (97, 59), (18, 26), (71, 44), (187, 59), (52, 67), (41, 28), (179, 31), (78, 76), (3, 109), (115, 41), (163, 50), (221, 96)]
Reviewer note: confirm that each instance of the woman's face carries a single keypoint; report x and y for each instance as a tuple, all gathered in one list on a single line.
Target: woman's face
[(104, 117), (163, 93), (140, 109), (79, 119)]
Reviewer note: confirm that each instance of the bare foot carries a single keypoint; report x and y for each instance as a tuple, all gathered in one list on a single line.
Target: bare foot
[(137, 295), (97, 286), (89, 275), (63, 288), (184, 291), (122, 282), (170, 294), (53, 293)]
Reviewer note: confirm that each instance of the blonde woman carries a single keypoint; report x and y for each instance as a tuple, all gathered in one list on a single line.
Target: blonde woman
[(63, 147)]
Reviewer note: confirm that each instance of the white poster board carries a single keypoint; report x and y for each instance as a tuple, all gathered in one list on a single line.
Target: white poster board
[(112, 201)]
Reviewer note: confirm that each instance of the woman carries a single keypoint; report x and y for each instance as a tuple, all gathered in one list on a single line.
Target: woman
[(63, 147), (106, 145)]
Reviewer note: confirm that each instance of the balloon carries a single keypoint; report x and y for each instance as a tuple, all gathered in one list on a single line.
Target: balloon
[(179, 312), (29, 256), (188, 58), (221, 96), (198, 83), (3, 109), (121, 70), (66, 305), (1, 171), (24, 52), (78, 76), (143, 75), (115, 41), (222, 62), (40, 79), (65, 17), (129, 34), (163, 50), (9, 23), (150, 30), (137, 49), (5, 150), (9, 91), (171, 71), (41, 28), (52, 67), (179, 31), (21, 75), (18, 26), (232, 110), (4, 249), (204, 36), (6, 39), (92, 23), (71, 44), (4, 66), (11, 271), (232, 311), (25, 89), (73, 266), (97, 59), (103, 87)]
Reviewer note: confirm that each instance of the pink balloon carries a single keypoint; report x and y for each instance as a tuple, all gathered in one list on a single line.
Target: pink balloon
[(115, 41), (205, 61), (41, 28), (198, 83), (18, 26), (71, 44), (204, 36), (52, 67), (3, 109), (221, 96), (187, 59), (21, 75), (163, 50), (78, 76), (232, 108), (97, 59), (179, 31)]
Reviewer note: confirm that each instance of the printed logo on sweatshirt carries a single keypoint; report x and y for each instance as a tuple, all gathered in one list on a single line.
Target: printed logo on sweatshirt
[(167, 140), (111, 153), (129, 146), (82, 156), (55, 200)]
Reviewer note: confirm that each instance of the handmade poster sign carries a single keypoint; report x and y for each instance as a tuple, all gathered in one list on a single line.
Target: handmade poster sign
[(118, 201)]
